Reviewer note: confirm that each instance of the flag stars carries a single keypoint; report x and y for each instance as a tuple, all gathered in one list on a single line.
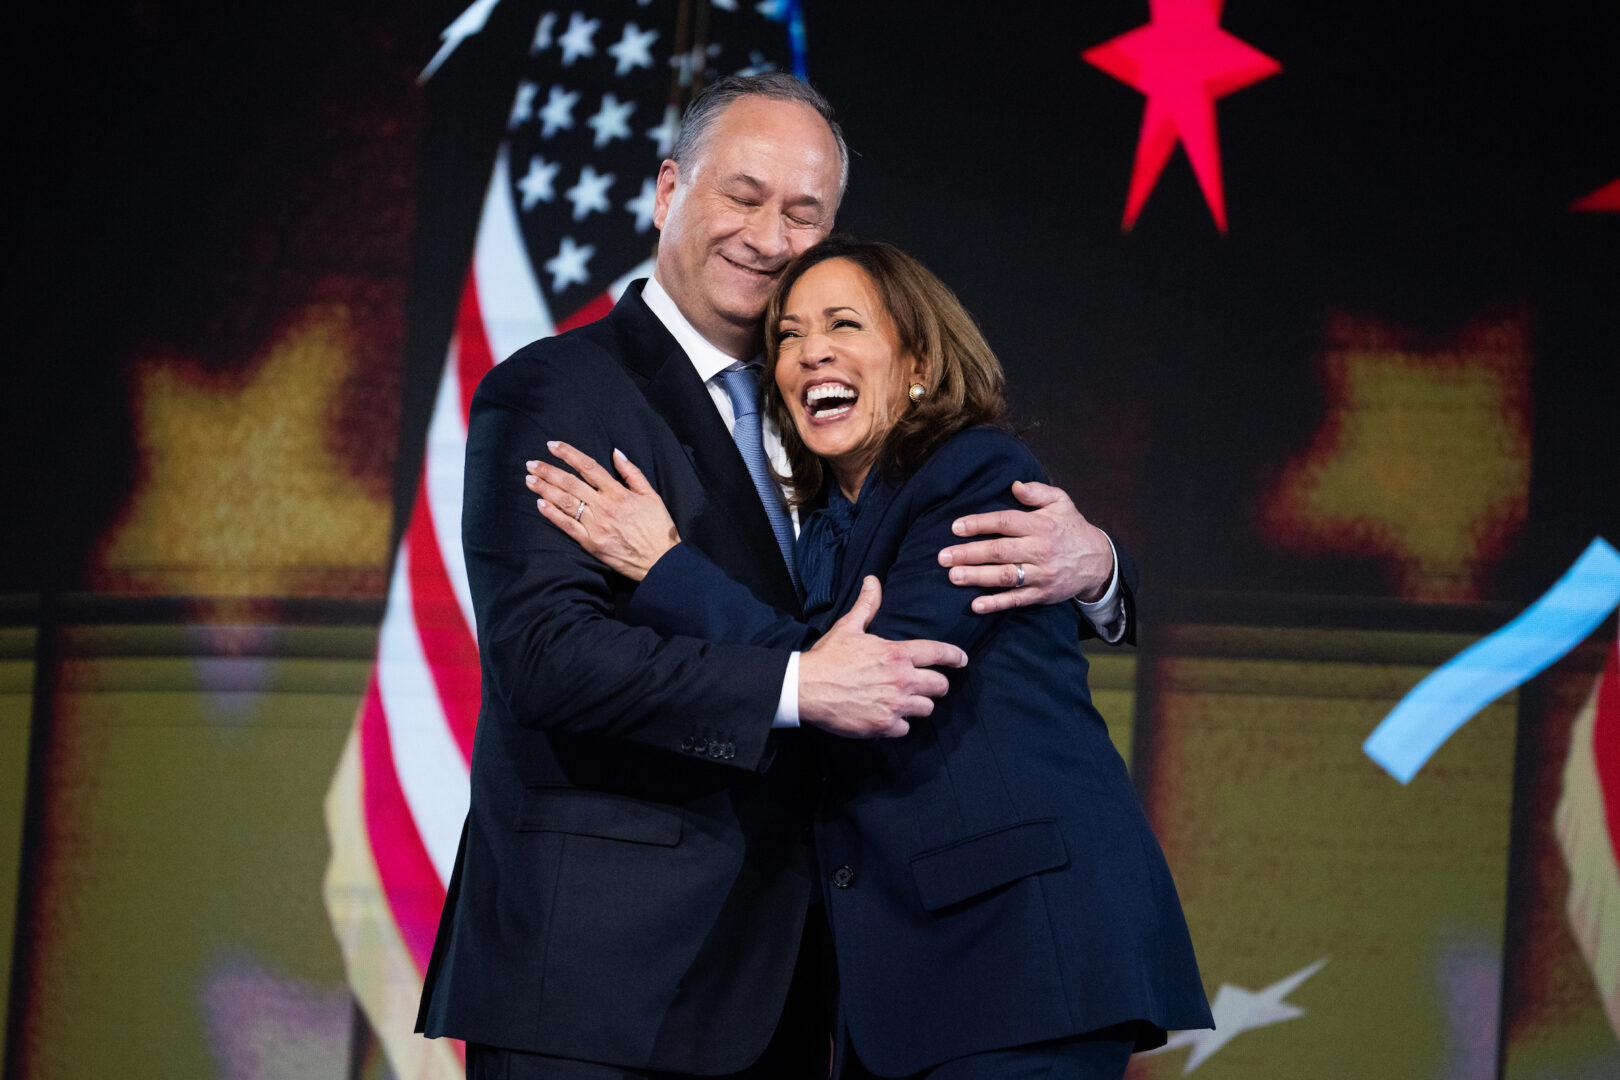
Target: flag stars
[(537, 183), (576, 40), (611, 120), (664, 134), (523, 104), (543, 33), (642, 205), (567, 267), (590, 193), (558, 112), (633, 49)]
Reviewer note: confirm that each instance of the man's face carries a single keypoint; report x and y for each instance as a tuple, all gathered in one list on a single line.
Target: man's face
[(764, 188)]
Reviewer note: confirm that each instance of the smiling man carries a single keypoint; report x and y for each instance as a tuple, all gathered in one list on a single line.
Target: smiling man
[(631, 893)]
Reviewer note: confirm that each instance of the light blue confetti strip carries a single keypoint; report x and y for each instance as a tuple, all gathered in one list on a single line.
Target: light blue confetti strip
[(1457, 690)]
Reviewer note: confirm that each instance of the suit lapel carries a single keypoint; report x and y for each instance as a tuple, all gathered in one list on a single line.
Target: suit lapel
[(876, 502), (675, 392)]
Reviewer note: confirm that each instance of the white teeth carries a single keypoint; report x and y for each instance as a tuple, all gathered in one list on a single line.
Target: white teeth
[(829, 390)]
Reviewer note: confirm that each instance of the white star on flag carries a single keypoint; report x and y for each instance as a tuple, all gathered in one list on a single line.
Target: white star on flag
[(772, 9), (558, 111), (576, 40), (612, 120), (590, 193), (727, 5), (1237, 1010), (642, 205), (633, 49), (567, 267), (542, 33), (523, 104), (666, 131), (536, 184)]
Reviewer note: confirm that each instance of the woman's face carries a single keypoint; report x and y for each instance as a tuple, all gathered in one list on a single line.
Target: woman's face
[(840, 368)]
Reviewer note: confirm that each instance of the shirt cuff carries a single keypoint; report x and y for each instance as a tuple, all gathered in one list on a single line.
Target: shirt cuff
[(787, 708), (1107, 613)]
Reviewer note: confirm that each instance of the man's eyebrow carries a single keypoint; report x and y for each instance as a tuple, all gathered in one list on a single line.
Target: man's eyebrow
[(753, 183)]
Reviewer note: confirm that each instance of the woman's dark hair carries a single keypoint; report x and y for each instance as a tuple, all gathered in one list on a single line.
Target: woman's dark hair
[(964, 386)]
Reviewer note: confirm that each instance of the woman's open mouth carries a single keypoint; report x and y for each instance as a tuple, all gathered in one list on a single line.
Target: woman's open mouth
[(830, 400)]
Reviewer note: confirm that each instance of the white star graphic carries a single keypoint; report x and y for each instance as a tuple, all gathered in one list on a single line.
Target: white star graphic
[(523, 104), (726, 5), (612, 120), (632, 51), (567, 267), (757, 64), (576, 40), (642, 205), (536, 183), (558, 112), (1237, 1010), (666, 131), (590, 193), (542, 33), (772, 9)]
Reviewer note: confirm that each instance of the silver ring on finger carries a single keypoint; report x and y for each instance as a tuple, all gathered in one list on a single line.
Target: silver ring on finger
[(1020, 568), (581, 513)]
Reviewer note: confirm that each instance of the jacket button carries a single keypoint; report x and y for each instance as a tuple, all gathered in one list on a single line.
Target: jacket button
[(843, 877), (687, 744), (731, 750)]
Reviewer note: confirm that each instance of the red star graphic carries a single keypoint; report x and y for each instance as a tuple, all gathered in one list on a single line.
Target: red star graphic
[(1605, 198), (1182, 60)]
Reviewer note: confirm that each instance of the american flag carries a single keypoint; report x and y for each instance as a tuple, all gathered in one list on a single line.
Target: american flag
[(566, 225)]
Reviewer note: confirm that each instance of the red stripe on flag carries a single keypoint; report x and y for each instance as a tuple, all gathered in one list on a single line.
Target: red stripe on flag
[(447, 640), (1606, 746), (587, 314), (474, 357), (409, 882)]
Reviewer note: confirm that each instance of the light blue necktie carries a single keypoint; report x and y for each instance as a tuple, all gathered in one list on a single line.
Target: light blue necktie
[(742, 384)]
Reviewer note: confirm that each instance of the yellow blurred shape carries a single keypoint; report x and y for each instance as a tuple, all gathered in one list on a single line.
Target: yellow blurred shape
[(237, 491), (1423, 458)]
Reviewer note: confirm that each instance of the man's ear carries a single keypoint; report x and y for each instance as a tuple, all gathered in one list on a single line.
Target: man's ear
[(669, 175)]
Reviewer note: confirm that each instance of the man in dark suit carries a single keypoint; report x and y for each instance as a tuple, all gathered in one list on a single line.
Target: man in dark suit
[(631, 891)]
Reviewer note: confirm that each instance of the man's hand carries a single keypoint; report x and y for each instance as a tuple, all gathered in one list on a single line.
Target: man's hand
[(1062, 555), (863, 687)]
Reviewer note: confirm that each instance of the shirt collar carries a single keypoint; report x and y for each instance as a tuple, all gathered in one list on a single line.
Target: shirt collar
[(708, 359)]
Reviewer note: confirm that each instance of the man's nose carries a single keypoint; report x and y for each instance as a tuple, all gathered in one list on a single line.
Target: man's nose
[(768, 234)]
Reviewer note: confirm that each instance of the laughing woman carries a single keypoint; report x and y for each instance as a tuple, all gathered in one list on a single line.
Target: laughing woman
[(998, 903)]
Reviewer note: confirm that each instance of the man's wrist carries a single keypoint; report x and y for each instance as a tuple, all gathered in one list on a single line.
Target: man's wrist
[(1106, 614)]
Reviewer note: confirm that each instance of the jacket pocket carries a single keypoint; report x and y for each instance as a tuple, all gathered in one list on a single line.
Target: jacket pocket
[(965, 868), (597, 813)]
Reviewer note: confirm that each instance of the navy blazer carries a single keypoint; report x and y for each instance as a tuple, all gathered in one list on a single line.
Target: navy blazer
[(634, 872), (990, 878)]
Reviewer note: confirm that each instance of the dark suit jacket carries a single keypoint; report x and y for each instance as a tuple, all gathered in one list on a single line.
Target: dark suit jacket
[(634, 872), (990, 878)]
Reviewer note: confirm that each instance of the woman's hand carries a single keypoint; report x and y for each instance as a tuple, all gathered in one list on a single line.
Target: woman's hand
[(624, 525)]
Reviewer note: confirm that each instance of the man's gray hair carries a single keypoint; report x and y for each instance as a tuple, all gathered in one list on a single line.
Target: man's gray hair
[(706, 108)]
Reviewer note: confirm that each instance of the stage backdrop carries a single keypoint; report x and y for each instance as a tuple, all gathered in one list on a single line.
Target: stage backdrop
[(1315, 308)]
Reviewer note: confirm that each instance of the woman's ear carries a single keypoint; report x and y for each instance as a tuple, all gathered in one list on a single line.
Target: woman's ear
[(919, 370)]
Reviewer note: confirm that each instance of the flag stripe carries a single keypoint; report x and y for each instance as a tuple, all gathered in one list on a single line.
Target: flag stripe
[(427, 762), (446, 446), (409, 882), (447, 644)]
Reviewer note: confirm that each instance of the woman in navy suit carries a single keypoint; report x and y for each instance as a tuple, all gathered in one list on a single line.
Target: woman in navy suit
[(997, 901)]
